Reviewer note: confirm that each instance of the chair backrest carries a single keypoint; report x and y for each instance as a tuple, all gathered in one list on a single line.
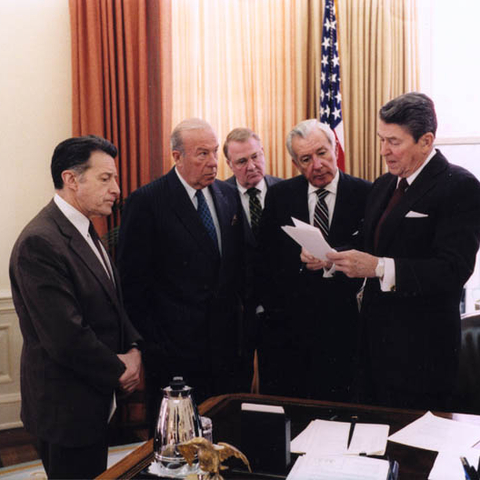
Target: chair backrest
[(467, 395)]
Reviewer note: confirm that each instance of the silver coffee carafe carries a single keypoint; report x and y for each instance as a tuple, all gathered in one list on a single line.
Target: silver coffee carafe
[(178, 421)]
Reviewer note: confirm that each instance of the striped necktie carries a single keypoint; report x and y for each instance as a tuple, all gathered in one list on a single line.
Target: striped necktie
[(320, 216), (255, 209)]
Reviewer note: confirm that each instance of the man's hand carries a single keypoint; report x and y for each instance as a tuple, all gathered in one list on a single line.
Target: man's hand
[(354, 264), (313, 263), (131, 376)]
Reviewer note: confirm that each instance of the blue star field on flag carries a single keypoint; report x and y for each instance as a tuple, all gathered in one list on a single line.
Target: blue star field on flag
[(330, 96)]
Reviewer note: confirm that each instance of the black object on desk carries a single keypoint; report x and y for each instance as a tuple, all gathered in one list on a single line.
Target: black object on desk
[(265, 437)]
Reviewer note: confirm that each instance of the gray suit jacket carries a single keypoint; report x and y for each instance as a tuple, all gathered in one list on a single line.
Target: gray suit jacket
[(73, 325)]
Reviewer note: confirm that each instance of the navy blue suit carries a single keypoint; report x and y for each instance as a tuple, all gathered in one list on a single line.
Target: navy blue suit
[(309, 339), (179, 291), (412, 334), (252, 259)]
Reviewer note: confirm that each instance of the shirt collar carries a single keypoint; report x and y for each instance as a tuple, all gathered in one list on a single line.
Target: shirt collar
[(416, 173), (331, 187), (78, 219), (259, 186), (190, 190)]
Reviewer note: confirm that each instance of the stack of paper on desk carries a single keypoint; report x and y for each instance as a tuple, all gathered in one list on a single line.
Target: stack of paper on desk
[(328, 437), (309, 237), (435, 433), (339, 467)]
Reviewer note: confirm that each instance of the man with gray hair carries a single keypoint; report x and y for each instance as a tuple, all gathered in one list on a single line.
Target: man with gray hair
[(180, 258), (309, 338)]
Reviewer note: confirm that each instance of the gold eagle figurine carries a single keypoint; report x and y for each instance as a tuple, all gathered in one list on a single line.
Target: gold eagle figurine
[(210, 456)]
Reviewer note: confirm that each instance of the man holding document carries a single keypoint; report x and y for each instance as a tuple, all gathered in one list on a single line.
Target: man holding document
[(421, 232), (309, 336)]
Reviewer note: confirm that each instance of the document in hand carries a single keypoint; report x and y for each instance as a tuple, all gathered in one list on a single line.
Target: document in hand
[(309, 237), (327, 437), (435, 433), (339, 467)]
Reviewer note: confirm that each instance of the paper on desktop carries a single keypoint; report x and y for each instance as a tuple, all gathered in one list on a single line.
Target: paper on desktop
[(338, 467), (309, 237), (448, 466), (328, 437), (435, 433)]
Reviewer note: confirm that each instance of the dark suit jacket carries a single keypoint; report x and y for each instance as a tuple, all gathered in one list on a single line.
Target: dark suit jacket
[(252, 259), (181, 295), (413, 334), (250, 239), (73, 325), (312, 316)]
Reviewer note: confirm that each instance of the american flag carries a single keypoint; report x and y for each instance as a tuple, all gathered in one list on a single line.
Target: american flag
[(330, 96)]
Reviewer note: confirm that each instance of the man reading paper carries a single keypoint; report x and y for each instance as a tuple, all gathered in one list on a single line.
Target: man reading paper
[(308, 341)]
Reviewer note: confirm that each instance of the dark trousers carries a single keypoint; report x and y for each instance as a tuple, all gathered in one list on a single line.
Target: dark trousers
[(74, 463)]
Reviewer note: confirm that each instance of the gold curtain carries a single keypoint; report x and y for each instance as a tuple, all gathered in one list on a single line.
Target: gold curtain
[(241, 63), (378, 60), (257, 63)]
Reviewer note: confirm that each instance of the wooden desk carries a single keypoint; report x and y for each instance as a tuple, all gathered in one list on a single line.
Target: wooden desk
[(415, 464)]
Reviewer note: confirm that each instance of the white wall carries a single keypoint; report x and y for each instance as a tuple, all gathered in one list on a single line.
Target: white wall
[(35, 115)]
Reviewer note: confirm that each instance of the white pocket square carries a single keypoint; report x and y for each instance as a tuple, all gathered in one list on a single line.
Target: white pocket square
[(412, 214)]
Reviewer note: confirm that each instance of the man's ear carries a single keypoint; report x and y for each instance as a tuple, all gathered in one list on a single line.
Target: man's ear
[(426, 140), (176, 156), (70, 180)]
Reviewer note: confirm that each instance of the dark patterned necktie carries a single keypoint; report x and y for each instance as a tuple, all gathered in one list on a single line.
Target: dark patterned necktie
[(206, 217), (320, 216), (255, 209), (97, 242), (395, 198)]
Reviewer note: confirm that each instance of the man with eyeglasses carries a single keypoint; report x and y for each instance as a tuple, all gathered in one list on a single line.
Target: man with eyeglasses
[(245, 156), (309, 344)]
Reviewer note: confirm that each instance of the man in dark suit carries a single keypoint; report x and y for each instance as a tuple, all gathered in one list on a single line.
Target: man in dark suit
[(180, 257), (422, 230), (309, 341), (79, 345), (244, 153)]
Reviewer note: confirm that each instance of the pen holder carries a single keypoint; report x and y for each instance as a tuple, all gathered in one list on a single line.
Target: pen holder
[(265, 437)]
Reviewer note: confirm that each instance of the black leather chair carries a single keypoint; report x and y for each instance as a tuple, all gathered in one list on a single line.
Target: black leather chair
[(467, 395)]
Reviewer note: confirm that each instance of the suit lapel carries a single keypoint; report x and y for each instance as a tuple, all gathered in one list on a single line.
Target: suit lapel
[(425, 181), (84, 252), (224, 220), (299, 201), (188, 216)]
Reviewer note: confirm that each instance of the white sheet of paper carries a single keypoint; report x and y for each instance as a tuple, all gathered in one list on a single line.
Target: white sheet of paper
[(338, 467), (448, 466), (309, 237), (435, 433), (328, 437)]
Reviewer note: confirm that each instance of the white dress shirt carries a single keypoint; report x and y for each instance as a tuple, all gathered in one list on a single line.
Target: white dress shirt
[(82, 224), (211, 205), (245, 197), (330, 199)]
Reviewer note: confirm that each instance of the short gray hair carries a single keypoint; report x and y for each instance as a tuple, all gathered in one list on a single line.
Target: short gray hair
[(176, 138), (304, 128)]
